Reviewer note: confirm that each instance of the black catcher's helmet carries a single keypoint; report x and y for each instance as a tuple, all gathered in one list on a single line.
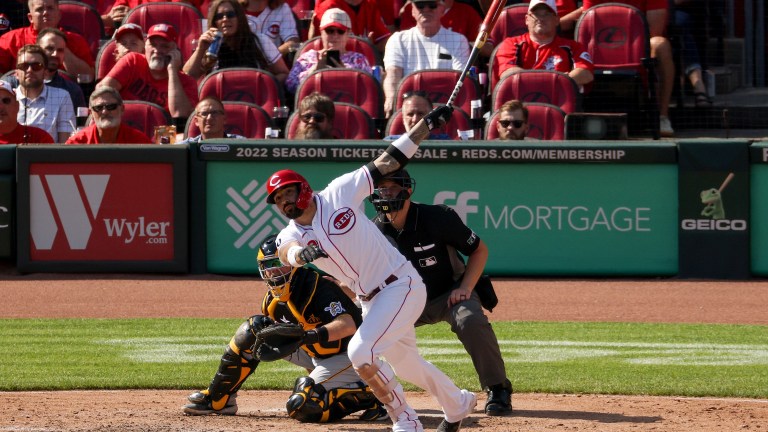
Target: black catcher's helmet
[(388, 204), (275, 273)]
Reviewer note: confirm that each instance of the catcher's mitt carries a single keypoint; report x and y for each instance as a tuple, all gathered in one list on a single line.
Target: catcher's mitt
[(278, 341)]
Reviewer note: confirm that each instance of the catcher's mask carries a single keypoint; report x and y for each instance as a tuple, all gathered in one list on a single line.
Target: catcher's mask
[(389, 199), (288, 177), (275, 273)]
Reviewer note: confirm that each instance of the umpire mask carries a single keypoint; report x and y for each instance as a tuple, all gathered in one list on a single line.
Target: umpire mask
[(275, 273), (390, 198)]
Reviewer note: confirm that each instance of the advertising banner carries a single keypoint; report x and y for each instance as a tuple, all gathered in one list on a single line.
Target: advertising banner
[(112, 208), (6, 215), (583, 211), (759, 187), (714, 225)]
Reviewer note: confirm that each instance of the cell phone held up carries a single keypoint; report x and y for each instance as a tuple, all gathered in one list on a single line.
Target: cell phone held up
[(333, 58)]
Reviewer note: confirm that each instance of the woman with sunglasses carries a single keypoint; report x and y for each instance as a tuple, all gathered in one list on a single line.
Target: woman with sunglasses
[(239, 47), (334, 29)]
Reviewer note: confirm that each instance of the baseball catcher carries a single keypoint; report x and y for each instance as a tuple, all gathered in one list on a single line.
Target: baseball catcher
[(308, 321)]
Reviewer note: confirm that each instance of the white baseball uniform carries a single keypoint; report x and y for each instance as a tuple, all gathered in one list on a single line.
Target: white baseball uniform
[(361, 257)]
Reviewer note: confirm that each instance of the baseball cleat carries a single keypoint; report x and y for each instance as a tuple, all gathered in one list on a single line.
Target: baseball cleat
[(201, 405)]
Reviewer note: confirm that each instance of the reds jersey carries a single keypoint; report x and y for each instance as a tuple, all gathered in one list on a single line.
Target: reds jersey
[(562, 55), (358, 254)]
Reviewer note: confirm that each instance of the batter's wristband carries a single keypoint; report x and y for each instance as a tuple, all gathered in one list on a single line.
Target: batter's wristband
[(293, 252), (406, 146)]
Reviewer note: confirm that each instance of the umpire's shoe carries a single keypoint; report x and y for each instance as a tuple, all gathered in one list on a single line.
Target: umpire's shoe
[(499, 400), (201, 405)]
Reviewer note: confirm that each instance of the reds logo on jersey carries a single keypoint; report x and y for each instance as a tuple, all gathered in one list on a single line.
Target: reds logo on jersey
[(342, 220), (274, 29)]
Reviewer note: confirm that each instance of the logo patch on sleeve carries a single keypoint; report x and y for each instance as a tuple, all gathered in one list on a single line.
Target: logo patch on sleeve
[(335, 308)]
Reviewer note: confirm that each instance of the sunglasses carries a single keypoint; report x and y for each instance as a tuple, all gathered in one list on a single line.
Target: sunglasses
[(516, 123), (105, 107), (7, 100), (317, 117), (429, 4), (36, 66), (204, 114), (420, 93), (221, 15), (334, 31)]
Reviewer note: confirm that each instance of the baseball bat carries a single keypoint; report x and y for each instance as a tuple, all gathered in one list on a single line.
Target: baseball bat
[(725, 182), (482, 36)]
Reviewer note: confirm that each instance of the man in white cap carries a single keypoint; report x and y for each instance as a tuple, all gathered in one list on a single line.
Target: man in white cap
[(429, 45), (542, 48), (155, 76), (11, 131)]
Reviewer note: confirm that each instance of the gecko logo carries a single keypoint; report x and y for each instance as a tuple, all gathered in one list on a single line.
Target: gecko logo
[(342, 220), (65, 209), (714, 210), (460, 204), (250, 217)]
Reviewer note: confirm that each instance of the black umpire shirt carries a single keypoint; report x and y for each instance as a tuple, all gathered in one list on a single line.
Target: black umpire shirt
[(430, 239)]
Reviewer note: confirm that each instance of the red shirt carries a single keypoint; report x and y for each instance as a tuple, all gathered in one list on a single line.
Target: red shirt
[(132, 72), (33, 134), (461, 18), (126, 135), (133, 3), (562, 55), (367, 19), (564, 7), (11, 43), (643, 5)]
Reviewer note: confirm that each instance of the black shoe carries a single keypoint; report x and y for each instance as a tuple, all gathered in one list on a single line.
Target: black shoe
[(449, 427), (499, 401)]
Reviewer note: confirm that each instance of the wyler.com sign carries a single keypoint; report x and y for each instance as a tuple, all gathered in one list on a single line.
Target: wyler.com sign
[(90, 211)]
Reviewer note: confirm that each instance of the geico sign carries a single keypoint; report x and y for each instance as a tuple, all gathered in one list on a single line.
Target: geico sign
[(714, 225)]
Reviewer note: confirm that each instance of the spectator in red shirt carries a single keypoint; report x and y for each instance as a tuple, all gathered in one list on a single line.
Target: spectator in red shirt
[(365, 16), (44, 14), (656, 13), (11, 131), (155, 76), (542, 48), (107, 128), (459, 17)]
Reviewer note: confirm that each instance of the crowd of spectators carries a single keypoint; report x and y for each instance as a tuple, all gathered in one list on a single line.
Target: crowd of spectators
[(268, 34)]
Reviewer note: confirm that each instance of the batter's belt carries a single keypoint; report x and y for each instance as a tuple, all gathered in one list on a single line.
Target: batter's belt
[(366, 298)]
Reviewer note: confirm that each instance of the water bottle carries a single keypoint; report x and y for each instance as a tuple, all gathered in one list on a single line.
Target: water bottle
[(376, 71), (213, 48)]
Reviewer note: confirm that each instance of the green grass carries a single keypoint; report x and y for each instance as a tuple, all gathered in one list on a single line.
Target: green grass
[(607, 358)]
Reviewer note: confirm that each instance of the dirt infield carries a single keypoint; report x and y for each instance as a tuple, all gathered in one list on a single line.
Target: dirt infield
[(209, 296)]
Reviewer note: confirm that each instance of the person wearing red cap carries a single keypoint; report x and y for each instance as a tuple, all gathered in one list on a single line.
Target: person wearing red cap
[(366, 19), (155, 76), (334, 27), (11, 131), (107, 128), (541, 48), (128, 38), (44, 14)]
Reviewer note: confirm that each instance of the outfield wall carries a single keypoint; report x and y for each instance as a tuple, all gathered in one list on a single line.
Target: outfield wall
[(544, 209)]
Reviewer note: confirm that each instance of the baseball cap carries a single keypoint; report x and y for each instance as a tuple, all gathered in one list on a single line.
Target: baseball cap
[(5, 85), (165, 31), (335, 17), (548, 3), (129, 28)]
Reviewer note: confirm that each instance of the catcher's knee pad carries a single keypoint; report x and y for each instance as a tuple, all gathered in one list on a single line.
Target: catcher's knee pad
[(237, 363), (307, 403), (342, 402)]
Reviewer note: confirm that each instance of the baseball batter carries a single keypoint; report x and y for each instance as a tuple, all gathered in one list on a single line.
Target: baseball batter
[(330, 229)]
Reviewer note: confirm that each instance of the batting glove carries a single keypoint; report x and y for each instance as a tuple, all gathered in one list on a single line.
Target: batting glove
[(311, 253), (438, 117)]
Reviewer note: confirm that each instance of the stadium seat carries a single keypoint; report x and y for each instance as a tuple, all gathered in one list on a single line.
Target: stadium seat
[(144, 116), (242, 118), (543, 86), (354, 43), (83, 19), (345, 85), (511, 22), (459, 121), (617, 37), (350, 122), (439, 84), (186, 18), (105, 59), (545, 122), (256, 86)]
